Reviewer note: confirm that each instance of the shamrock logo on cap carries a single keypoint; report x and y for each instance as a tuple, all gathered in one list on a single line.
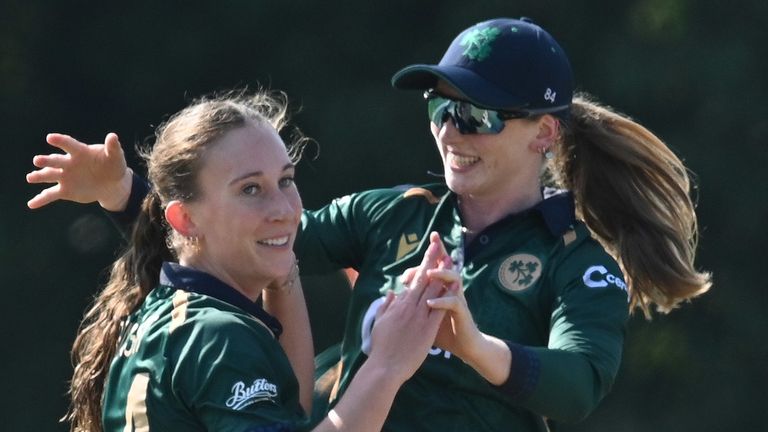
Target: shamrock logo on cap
[(478, 43)]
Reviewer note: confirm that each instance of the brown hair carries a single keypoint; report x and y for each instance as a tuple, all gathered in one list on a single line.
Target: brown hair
[(633, 193), (173, 165)]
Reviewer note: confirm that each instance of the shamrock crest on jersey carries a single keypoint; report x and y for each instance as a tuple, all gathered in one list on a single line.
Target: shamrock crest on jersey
[(519, 271)]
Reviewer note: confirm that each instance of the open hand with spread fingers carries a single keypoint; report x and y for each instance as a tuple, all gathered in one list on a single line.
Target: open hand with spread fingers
[(84, 173)]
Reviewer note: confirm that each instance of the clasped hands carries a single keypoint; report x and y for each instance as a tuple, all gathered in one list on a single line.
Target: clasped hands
[(430, 312), (457, 333)]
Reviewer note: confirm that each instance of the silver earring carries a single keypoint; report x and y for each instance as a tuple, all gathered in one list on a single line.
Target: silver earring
[(548, 155)]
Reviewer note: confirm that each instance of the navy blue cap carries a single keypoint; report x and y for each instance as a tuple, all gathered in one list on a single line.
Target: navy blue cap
[(504, 64)]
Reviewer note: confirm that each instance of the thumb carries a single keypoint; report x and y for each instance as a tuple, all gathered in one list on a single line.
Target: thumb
[(112, 146), (390, 296)]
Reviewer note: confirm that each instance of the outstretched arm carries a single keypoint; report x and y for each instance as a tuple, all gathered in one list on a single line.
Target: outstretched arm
[(84, 173)]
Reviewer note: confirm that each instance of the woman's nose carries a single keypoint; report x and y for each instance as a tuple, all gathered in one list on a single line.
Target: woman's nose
[(281, 207), (449, 132)]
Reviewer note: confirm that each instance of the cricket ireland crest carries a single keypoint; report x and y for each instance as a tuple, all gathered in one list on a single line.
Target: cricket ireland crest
[(519, 271)]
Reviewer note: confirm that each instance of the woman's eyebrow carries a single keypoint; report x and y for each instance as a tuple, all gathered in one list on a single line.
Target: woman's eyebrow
[(286, 167)]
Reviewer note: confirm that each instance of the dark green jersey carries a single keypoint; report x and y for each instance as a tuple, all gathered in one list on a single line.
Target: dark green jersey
[(199, 356), (536, 280)]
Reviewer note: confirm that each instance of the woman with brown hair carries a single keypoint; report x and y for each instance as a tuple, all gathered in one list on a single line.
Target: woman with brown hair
[(202, 324)]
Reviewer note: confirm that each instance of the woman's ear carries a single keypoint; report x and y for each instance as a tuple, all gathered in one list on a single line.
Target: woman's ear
[(178, 217), (549, 128), (547, 134)]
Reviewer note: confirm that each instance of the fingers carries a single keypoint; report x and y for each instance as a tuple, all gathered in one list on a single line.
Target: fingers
[(419, 279), (444, 259), (434, 237), (449, 283), (435, 318), (408, 275), (415, 296), (431, 256), (434, 257), (445, 303), (445, 263), (46, 196), (388, 299), (64, 142), (436, 291), (432, 277), (54, 160), (45, 175), (434, 288), (446, 275)]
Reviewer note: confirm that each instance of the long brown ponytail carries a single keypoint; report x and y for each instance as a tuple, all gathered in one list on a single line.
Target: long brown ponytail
[(173, 165), (634, 194), (132, 276)]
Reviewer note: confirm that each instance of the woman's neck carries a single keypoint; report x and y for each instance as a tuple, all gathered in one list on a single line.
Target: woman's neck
[(479, 213), (251, 289)]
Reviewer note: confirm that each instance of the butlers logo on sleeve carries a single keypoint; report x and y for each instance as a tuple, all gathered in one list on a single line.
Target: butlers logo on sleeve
[(244, 395)]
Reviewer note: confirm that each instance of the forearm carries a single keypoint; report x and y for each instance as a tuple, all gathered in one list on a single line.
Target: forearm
[(490, 357), (289, 307), (366, 403)]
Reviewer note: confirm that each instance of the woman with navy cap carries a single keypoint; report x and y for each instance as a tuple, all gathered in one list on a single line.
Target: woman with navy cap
[(557, 218)]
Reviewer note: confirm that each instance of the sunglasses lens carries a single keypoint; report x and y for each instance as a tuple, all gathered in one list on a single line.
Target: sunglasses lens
[(437, 108), (472, 119), (467, 118)]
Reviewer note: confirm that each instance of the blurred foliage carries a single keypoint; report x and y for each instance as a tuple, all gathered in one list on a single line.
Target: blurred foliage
[(693, 72)]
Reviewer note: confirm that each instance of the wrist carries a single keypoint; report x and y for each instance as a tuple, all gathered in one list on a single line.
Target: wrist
[(116, 196), (387, 376), (491, 358), (289, 283), (473, 349)]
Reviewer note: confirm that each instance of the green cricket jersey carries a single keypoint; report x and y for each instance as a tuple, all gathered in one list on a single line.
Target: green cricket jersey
[(536, 280), (199, 356)]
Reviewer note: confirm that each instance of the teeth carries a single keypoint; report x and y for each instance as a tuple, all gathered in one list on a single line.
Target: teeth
[(462, 161), (279, 241)]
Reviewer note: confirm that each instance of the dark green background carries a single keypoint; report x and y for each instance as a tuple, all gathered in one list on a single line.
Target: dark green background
[(693, 71)]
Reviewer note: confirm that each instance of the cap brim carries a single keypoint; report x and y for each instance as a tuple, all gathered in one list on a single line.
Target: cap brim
[(472, 86)]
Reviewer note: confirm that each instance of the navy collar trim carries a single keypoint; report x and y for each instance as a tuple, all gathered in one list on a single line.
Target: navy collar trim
[(558, 210), (180, 277)]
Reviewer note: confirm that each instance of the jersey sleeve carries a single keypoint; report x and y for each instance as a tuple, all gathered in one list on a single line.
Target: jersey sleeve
[(234, 377), (338, 235), (124, 219), (567, 379)]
